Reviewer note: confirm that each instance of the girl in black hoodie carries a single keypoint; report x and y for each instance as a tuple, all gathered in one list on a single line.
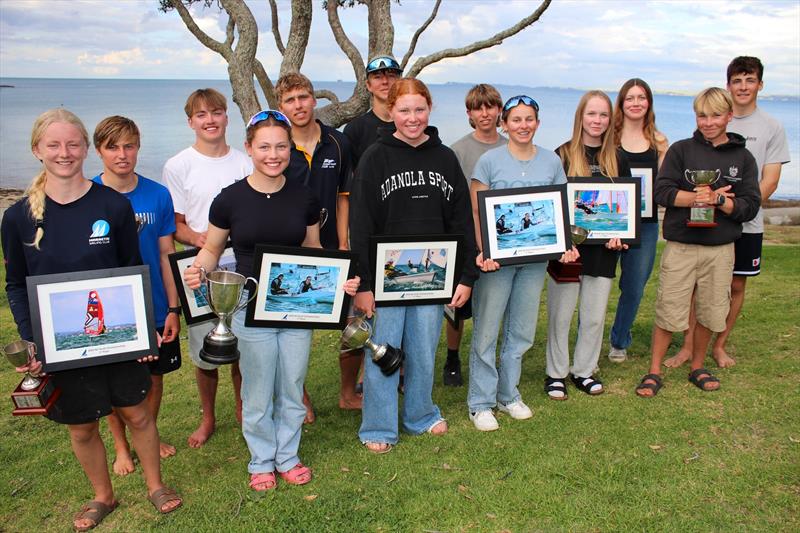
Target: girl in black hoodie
[(407, 183)]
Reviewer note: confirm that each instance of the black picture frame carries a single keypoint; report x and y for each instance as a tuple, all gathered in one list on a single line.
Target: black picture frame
[(325, 307), (610, 195), (414, 287), (647, 181), (193, 303), (92, 317), (547, 236)]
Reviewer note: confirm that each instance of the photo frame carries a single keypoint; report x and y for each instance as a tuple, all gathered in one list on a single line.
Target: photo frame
[(92, 317), (193, 301), (648, 207), (450, 315), (424, 268), (289, 303), (607, 207), (525, 224)]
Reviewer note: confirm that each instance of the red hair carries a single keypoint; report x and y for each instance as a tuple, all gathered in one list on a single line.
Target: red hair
[(405, 86)]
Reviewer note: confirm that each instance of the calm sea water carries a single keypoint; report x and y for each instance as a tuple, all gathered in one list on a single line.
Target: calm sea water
[(157, 108)]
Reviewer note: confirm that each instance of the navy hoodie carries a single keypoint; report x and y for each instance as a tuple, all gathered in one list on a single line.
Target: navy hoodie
[(401, 189), (737, 168)]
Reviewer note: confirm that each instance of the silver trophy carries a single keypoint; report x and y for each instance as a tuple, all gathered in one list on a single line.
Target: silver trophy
[(34, 395), (358, 334), (702, 215), (224, 290), (323, 217)]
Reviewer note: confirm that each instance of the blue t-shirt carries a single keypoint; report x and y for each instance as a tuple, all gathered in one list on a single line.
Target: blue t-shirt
[(155, 218), (498, 169)]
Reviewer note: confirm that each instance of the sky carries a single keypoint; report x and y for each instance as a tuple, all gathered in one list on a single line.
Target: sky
[(675, 45)]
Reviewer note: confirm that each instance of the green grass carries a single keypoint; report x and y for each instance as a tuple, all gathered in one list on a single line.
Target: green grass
[(685, 461)]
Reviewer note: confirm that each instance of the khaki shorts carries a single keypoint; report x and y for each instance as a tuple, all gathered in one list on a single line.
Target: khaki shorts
[(197, 332), (707, 272)]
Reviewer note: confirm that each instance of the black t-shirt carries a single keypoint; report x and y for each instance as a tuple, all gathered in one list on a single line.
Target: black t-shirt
[(363, 132), (255, 218)]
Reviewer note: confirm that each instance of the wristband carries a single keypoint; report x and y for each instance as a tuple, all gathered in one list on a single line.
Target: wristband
[(176, 310)]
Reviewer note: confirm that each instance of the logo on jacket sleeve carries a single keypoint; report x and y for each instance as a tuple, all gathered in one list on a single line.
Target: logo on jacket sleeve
[(100, 230)]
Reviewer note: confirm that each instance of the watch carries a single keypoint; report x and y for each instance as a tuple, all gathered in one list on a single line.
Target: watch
[(176, 310), (720, 200)]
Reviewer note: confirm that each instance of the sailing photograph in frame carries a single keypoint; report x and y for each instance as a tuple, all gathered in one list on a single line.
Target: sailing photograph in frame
[(523, 225), (194, 302), (606, 207), (411, 271), (92, 317), (300, 287), (648, 208)]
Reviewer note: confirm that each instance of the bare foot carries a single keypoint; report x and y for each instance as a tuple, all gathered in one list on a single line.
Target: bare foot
[(440, 428), (352, 403), (678, 359), (166, 450), (722, 358), (311, 417), (201, 434), (123, 463)]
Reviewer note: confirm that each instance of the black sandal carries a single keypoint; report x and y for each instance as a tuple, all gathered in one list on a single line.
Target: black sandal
[(655, 386), (586, 384), (700, 383), (555, 385)]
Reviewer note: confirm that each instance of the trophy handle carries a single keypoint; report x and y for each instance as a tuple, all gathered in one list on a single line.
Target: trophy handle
[(687, 174), (718, 175), (252, 295), (323, 217)]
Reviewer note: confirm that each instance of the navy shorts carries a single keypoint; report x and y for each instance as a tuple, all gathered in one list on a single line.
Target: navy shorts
[(169, 357), (748, 255), (465, 311)]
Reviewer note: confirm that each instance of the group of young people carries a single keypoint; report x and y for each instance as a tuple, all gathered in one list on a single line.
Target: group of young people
[(303, 183)]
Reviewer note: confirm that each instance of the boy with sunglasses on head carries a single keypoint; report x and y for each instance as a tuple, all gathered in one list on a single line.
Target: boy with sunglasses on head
[(194, 178), (484, 106)]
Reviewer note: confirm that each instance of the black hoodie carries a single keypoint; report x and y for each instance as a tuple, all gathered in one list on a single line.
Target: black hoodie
[(737, 168), (401, 189)]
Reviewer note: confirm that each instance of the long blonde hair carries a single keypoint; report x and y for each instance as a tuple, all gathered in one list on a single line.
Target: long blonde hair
[(649, 130), (575, 155), (35, 192)]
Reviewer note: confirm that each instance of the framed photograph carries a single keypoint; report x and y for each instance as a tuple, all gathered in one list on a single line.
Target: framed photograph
[(525, 224), (414, 269), (300, 288), (606, 207), (193, 301), (450, 315), (94, 317), (649, 209)]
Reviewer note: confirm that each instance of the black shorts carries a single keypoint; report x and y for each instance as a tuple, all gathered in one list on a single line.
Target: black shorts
[(748, 255), (87, 394), (465, 311), (169, 357)]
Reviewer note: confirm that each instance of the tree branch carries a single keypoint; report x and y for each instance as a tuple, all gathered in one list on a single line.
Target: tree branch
[(276, 31), (415, 38), (298, 37), (203, 37), (266, 84), (326, 94), (345, 44), (229, 35), (494, 40), (381, 28)]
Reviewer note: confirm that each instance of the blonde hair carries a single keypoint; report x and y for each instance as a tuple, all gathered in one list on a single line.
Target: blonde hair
[(714, 100), (291, 81), (575, 156), (35, 192)]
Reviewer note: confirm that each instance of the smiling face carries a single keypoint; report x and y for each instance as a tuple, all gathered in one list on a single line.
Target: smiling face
[(713, 125), (298, 105), (379, 83), (484, 118), (209, 124), (410, 114), (521, 124), (596, 117), (635, 104), (744, 88), (269, 150), (62, 150), (119, 157)]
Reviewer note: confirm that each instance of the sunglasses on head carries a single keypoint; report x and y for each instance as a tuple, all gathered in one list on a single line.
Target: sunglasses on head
[(383, 63), (514, 101), (269, 113)]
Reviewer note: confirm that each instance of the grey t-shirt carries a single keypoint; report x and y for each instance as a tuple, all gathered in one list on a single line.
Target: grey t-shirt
[(766, 140), (468, 150), (498, 169)]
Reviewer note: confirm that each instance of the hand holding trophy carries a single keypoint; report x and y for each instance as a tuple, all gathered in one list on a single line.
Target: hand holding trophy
[(34, 395), (571, 271), (702, 213)]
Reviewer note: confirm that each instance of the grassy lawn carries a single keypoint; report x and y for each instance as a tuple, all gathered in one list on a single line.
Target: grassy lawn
[(685, 461)]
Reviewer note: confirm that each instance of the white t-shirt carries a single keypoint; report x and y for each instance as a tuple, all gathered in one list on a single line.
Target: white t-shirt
[(766, 140), (194, 180)]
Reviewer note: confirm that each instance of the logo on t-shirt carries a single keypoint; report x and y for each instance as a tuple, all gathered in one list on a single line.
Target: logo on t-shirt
[(733, 174), (100, 230), (328, 163)]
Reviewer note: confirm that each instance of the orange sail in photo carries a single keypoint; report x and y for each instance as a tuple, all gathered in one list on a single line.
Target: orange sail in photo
[(95, 322)]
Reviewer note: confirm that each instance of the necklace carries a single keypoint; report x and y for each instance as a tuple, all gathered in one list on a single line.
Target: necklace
[(525, 163)]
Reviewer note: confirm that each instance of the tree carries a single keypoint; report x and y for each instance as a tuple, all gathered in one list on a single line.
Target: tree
[(241, 43)]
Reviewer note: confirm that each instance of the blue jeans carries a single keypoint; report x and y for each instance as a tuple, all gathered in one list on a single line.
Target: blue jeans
[(415, 329), (636, 265), (511, 294), (273, 362)]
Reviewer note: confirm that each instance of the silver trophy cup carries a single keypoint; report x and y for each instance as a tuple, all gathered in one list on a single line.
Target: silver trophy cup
[(20, 353), (358, 334), (701, 215), (224, 292)]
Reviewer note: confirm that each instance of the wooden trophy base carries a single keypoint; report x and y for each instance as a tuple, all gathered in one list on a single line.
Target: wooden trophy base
[(36, 401), (565, 272)]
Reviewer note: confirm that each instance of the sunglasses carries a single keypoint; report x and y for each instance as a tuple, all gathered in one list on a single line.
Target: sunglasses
[(269, 113), (383, 63), (514, 101)]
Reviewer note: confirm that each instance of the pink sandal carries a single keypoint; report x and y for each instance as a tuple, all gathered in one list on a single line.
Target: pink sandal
[(266, 480), (298, 475)]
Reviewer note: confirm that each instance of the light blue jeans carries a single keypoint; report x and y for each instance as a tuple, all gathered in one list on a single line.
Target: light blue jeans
[(415, 329), (511, 294), (636, 264), (273, 362)]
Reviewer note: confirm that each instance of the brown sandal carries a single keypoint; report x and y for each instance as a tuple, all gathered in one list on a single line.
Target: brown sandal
[(163, 496), (94, 511)]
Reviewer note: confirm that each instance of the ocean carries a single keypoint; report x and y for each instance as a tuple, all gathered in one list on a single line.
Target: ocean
[(157, 108)]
